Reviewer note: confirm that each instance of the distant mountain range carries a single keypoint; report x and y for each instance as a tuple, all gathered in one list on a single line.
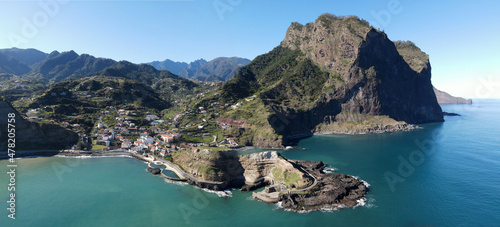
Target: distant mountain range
[(58, 66), (53, 67), (219, 69)]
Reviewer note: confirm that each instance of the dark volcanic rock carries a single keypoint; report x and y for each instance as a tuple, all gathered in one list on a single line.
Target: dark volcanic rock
[(331, 192), (154, 171), (247, 188)]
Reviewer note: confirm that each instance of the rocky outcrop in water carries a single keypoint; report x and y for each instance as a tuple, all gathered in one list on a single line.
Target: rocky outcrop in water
[(332, 192), (154, 171), (298, 185), (326, 191)]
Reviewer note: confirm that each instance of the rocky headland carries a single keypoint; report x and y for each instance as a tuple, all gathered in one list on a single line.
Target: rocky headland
[(335, 75), (296, 185)]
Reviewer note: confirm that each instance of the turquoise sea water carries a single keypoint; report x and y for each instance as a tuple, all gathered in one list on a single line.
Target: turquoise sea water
[(449, 177)]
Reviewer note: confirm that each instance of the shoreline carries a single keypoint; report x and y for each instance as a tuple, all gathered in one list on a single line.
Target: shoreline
[(66, 154), (290, 199), (73, 153), (374, 130)]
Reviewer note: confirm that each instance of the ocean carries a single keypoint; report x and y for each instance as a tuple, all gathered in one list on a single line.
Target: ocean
[(445, 174)]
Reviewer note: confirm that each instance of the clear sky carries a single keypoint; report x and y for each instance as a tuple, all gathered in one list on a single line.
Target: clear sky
[(461, 37)]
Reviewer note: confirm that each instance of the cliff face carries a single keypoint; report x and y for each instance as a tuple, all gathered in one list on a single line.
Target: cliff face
[(377, 80), (269, 166), (220, 166), (332, 70), (34, 136), (419, 61), (236, 171)]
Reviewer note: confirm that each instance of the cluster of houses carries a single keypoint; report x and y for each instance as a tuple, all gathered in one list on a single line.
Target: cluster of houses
[(126, 112), (123, 125), (227, 123), (105, 137)]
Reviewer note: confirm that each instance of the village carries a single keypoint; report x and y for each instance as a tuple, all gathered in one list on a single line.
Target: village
[(133, 128), (160, 138)]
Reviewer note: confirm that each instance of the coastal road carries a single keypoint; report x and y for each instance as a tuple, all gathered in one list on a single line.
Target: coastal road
[(315, 182)]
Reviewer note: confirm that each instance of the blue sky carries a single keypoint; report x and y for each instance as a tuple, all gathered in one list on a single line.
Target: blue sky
[(460, 37)]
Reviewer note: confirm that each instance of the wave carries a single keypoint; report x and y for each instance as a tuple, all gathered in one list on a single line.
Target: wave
[(361, 202), (328, 170), (222, 194), (331, 208), (181, 183), (34, 156), (90, 156), (366, 184)]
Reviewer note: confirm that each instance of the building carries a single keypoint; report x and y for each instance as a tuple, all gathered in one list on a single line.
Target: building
[(167, 138), (146, 139), (126, 145)]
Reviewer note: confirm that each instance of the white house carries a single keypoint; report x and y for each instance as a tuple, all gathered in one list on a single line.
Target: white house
[(146, 139)]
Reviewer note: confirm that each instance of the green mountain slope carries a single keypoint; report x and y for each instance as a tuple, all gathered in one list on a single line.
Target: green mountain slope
[(93, 94), (162, 81), (337, 75)]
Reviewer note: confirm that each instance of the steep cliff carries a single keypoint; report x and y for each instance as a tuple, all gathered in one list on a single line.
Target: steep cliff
[(220, 166), (269, 166), (376, 78), (227, 166), (33, 136), (333, 71), (419, 61)]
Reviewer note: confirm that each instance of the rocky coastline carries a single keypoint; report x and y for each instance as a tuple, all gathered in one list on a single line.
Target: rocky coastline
[(328, 192), (68, 153), (296, 185), (371, 130)]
